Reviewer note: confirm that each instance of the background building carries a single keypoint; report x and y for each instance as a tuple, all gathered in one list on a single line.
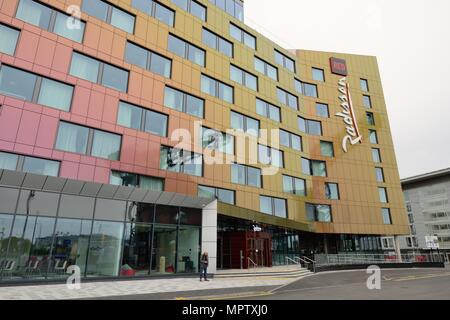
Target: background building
[(99, 101)]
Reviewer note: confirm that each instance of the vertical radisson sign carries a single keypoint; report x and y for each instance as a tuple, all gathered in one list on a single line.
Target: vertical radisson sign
[(339, 67)]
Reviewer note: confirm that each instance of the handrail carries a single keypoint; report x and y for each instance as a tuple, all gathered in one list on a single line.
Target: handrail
[(289, 259), (307, 261), (254, 264), (311, 260)]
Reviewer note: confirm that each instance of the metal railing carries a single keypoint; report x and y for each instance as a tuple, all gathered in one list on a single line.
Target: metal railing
[(299, 260), (253, 262), (350, 258)]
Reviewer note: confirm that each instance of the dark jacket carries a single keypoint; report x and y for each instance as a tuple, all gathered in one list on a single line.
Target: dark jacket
[(204, 260)]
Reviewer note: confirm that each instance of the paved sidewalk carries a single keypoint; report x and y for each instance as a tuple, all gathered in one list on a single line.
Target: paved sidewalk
[(135, 287)]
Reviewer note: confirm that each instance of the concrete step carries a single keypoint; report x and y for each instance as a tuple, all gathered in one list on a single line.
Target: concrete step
[(299, 272)]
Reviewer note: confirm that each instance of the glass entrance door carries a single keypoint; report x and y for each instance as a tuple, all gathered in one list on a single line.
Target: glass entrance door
[(136, 252)]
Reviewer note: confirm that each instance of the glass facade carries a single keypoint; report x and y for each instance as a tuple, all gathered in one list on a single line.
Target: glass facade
[(8, 39)]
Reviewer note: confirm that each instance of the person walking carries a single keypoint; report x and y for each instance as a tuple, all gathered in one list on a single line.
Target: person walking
[(204, 266)]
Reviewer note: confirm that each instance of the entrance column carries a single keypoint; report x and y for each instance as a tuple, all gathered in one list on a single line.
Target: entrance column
[(397, 248), (209, 234)]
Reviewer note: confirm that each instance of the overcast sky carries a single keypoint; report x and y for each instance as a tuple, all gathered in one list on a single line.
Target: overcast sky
[(411, 39)]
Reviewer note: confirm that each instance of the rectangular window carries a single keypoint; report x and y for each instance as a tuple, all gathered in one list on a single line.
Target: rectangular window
[(217, 88), (268, 110), (318, 212), (110, 14), (232, 7), (386, 214), (215, 140), (193, 7), (243, 77), (373, 136), (8, 39), (310, 126), (376, 157), (136, 180), (383, 195), (364, 85), (284, 61), (326, 149), (367, 102), (216, 42), (318, 74), (50, 19), (379, 174), (36, 89), (322, 110), (242, 174), (270, 156), (244, 123), (84, 140), (186, 50), (243, 36), (142, 119), (183, 102), (34, 165), (294, 185), (182, 161), (370, 119), (266, 68), (314, 167), (273, 206), (306, 89), (287, 98), (331, 191), (96, 71), (222, 195), (290, 140), (147, 59)]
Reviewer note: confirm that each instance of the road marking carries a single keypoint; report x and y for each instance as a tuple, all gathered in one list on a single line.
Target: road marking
[(426, 276), (227, 296)]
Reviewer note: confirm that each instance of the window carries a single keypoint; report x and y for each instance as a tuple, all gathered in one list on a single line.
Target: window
[(294, 185), (379, 174), (223, 195), (243, 77), (267, 155), (110, 14), (326, 148), (318, 74), (314, 167), (216, 42), (310, 126), (147, 59), (268, 110), (290, 140), (183, 102), (186, 50), (367, 102), (244, 123), (99, 72), (193, 7), (284, 61), (386, 214), (376, 155), (215, 140), (364, 85), (217, 88), (373, 136), (84, 140), (243, 36), (30, 87), (287, 98), (242, 174), (306, 89), (273, 206), (156, 10), (322, 110), (8, 39), (383, 194), (138, 118), (136, 180), (331, 191), (51, 20), (232, 7), (34, 165), (182, 161), (370, 119), (266, 68), (318, 212), (387, 242)]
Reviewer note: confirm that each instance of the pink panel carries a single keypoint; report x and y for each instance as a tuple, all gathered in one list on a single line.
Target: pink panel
[(28, 127), (140, 158), (101, 175), (23, 148), (69, 170), (45, 52), (96, 105), (128, 149), (13, 102), (41, 152), (6, 146), (111, 108), (64, 54), (86, 172), (9, 122), (80, 103), (27, 46), (153, 155), (47, 132)]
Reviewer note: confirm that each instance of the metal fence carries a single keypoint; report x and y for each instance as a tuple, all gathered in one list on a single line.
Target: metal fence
[(348, 258)]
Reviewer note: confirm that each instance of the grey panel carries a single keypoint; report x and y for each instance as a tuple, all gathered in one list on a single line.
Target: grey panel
[(190, 202), (8, 200), (34, 181), (202, 202), (12, 178), (152, 196), (42, 204), (73, 186), (138, 194), (107, 191), (123, 192), (110, 210), (90, 189), (76, 207), (165, 198), (177, 200), (54, 184)]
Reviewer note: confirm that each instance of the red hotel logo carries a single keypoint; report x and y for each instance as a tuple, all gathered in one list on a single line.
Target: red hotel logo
[(338, 66)]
